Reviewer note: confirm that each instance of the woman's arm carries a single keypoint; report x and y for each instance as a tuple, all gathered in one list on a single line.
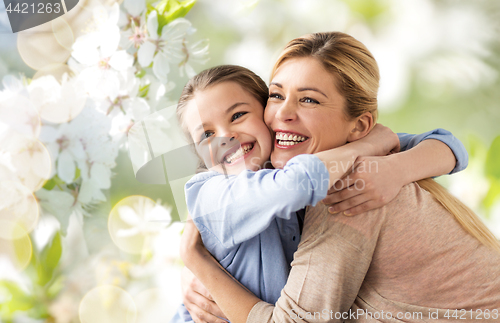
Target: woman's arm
[(340, 161), (327, 272), (429, 154)]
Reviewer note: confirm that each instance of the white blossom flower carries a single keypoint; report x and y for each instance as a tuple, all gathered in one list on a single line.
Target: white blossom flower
[(197, 53), (164, 48), (133, 22), (56, 102), (105, 66), (19, 114), (57, 203), (83, 142), (13, 85), (157, 92), (126, 109), (24, 159)]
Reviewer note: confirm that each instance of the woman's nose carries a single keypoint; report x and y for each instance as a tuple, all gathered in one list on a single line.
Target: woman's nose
[(286, 111)]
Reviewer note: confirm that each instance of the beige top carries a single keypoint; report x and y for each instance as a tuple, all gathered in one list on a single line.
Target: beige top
[(409, 260)]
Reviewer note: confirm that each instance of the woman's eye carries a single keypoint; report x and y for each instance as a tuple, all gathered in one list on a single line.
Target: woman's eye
[(309, 100), (206, 134), (275, 96), (237, 115)]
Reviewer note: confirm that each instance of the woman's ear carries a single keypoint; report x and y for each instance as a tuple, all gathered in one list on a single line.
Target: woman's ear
[(362, 126)]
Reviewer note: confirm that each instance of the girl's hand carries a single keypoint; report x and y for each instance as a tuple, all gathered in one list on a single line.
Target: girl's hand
[(374, 182), (382, 141)]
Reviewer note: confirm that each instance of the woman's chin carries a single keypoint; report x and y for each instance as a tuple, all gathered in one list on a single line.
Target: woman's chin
[(279, 159)]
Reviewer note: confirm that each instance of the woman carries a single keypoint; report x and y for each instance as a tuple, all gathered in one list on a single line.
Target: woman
[(380, 266)]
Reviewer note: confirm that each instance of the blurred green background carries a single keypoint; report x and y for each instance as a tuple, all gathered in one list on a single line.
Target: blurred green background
[(440, 68)]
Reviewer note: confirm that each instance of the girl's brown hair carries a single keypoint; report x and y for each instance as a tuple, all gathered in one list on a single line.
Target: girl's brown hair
[(357, 79), (247, 79)]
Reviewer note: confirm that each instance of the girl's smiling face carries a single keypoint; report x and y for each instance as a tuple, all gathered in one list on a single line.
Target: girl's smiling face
[(305, 110), (227, 127)]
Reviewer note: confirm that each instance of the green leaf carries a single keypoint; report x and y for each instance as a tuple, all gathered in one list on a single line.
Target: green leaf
[(493, 160), (493, 194), (51, 183), (475, 147), (15, 299), (55, 287), (49, 258), (169, 10), (143, 91), (140, 74), (370, 10), (77, 174)]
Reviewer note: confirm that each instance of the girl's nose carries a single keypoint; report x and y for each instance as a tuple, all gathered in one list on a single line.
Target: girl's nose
[(227, 138)]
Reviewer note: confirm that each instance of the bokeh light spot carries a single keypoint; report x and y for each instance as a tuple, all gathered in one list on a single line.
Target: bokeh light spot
[(107, 304), (63, 33), (130, 225), (30, 159), (18, 204), (152, 306), (15, 244), (39, 47)]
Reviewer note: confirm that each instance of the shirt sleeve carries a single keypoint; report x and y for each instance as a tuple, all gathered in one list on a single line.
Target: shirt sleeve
[(237, 208), (327, 271), (408, 141)]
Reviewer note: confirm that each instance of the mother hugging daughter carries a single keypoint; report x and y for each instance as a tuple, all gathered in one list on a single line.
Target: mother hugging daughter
[(421, 252)]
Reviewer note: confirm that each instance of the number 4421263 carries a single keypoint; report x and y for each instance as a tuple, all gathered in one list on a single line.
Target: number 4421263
[(471, 314), (34, 7)]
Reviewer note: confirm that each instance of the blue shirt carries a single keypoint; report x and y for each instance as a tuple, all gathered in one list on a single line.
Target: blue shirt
[(248, 221)]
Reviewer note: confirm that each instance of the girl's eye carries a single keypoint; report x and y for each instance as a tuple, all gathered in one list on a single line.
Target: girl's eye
[(206, 134), (237, 115), (308, 100), (275, 96)]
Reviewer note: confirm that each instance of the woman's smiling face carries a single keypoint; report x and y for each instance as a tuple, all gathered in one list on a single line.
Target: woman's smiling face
[(305, 110), (220, 119)]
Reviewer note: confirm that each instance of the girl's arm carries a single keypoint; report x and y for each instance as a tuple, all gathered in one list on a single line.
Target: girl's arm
[(379, 179), (447, 155), (237, 208)]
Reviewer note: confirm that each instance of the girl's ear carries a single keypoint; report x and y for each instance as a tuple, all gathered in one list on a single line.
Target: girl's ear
[(362, 126)]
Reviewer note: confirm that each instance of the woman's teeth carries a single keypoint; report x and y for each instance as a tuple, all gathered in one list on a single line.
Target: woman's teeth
[(285, 139), (237, 154)]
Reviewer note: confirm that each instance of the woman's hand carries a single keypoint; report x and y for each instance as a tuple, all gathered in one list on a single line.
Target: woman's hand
[(382, 141), (191, 244), (197, 300), (374, 182)]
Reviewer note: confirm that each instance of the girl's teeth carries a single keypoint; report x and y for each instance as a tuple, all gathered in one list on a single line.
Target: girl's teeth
[(237, 154)]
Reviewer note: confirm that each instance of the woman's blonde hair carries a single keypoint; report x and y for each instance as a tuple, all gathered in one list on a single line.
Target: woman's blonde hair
[(353, 66), (247, 79), (357, 79)]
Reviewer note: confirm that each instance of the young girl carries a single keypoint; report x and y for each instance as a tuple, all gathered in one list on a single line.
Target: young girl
[(246, 214)]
